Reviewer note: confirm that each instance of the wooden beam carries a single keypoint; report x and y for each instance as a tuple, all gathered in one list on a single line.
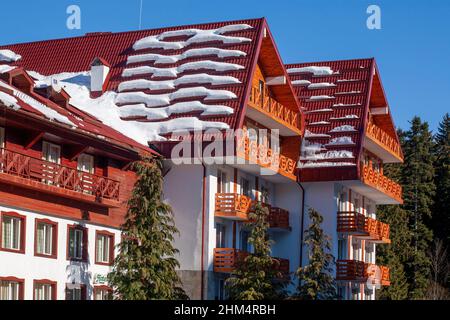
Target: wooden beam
[(35, 137)]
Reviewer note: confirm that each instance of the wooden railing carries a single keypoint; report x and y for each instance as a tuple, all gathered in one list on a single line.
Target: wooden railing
[(388, 142), (275, 109), (264, 156), (232, 206), (382, 183), (49, 173), (360, 225), (353, 270), (226, 259)]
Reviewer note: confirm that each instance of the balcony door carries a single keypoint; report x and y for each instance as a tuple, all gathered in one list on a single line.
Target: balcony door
[(245, 187), (222, 182), (2, 145), (86, 165), (51, 154), (221, 235)]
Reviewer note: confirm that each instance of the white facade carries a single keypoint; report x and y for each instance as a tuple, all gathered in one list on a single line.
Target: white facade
[(29, 267)]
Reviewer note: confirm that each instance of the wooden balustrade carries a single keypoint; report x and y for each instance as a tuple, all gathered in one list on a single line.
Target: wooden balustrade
[(389, 143), (278, 218), (264, 156), (274, 109), (359, 271), (361, 226), (282, 266), (56, 175), (232, 206), (377, 180)]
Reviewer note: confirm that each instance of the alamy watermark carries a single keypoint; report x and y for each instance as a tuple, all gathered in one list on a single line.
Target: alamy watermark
[(73, 21), (374, 20)]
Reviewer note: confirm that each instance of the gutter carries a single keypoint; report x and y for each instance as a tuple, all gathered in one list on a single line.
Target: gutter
[(202, 263), (302, 219)]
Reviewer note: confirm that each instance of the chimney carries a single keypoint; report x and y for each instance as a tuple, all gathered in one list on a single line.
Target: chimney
[(99, 76)]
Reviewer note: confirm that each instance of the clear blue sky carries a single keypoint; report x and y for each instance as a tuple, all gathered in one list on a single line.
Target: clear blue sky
[(412, 48)]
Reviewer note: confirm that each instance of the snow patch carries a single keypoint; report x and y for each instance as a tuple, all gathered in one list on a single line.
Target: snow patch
[(348, 116), (321, 85), (318, 123), (347, 105), (315, 70), (322, 97), (9, 101), (319, 110), (301, 82), (341, 141), (344, 128), (309, 134), (9, 56), (5, 68), (311, 164)]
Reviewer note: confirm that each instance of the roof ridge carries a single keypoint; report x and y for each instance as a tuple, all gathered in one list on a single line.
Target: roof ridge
[(330, 61)]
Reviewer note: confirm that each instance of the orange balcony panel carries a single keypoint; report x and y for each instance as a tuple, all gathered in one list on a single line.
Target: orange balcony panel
[(279, 218), (273, 114), (351, 222), (385, 276), (382, 144), (37, 174), (225, 259), (261, 154), (350, 270), (382, 183), (232, 206)]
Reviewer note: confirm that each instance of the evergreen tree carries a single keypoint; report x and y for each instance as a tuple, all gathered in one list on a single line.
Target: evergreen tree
[(316, 280), (255, 277), (418, 192), (145, 266), (441, 218)]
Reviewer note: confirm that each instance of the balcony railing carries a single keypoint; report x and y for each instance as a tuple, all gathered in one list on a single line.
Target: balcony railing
[(377, 180), (359, 225), (382, 138), (264, 156), (275, 109), (36, 170), (278, 218), (359, 271), (232, 206), (226, 260)]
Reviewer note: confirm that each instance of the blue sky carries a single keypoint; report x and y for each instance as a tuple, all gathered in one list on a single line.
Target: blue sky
[(412, 48)]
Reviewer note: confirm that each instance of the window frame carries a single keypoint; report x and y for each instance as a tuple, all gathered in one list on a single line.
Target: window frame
[(54, 225), (84, 249), (23, 228), (102, 288), (112, 242), (53, 284), (83, 293), (21, 283)]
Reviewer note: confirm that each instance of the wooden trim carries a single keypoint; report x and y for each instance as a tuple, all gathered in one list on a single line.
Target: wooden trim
[(21, 285), (54, 285), (84, 254), (23, 230), (54, 225), (111, 246)]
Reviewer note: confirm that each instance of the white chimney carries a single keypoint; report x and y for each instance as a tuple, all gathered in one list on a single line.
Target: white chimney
[(99, 73)]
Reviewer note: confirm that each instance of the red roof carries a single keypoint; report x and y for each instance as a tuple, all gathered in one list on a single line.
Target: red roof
[(76, 54), (336, 105)]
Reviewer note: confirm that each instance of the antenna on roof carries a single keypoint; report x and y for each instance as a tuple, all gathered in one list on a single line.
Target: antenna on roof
[(140, 16)]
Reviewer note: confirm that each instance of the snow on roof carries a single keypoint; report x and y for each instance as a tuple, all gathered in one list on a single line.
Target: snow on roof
[(348, 116), (341, 141), (343, 128), (315, 70), (8, 100), (321, 85), (7, 55), (321, 97), (5, 68), (319, 123), (313, 164), (301, 82)]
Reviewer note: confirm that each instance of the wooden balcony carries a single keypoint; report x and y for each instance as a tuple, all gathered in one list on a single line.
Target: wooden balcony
[(382, 183), (273, 114), (262, 155), (358, 225), (232, 206), (381, 142), (359, 271), (279, 218), (226, 259), (37, 174)]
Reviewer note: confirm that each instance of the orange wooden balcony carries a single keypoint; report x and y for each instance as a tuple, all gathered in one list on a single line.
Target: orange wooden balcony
[(361, 226), (232, 206), (262, 155), (384, 140), (382, 183), (226, 259), (275, 110), (34, 173), (359, 271)]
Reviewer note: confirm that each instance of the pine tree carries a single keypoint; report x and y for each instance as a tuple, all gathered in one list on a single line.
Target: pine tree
[(418, 192), (441, 217), (255, 277), (316, 281), (145, 266)]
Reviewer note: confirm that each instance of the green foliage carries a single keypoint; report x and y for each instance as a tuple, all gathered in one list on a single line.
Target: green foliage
[(145, 266), (316, 281), (255, 277)]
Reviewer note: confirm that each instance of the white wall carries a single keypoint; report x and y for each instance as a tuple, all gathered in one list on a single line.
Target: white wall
[(27, 266)]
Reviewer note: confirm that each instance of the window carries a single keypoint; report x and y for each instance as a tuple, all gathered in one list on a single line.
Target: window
[(222, 185), (261, 87), (86, 165), (341, 292), (220, 236), (220, 294), (356, 246), (45, 237), (342, 249), (51, 153), (44, 290), (368, 294), (342, 201), (103, 293), (264, 194), (368, 252), (77, 242), (2, 145), (244, 240), (245, 187), (104, 247), (13, 232), (11, 288), (75, 292)]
